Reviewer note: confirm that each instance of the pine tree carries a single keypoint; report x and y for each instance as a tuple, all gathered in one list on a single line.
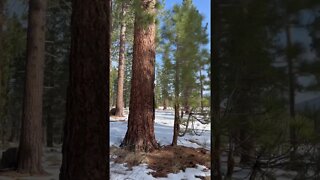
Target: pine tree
[(30, 147), (247, 68), (216, 88), (113, 86), (4, 66), (56, 69), (289, 12), (85, 129), (128, 76), (122, 23), (16, 48), (121, 66), (140, 133), (184, 34), (165, 79)]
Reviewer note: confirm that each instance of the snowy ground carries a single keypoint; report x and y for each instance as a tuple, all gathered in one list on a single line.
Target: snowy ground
[(51, 164), (164, 133)]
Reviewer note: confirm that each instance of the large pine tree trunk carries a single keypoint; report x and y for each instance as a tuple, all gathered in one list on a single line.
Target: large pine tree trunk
[(120, 102), (140, 134), (85, 142), (31, 144), (3, 77), (216, 91)]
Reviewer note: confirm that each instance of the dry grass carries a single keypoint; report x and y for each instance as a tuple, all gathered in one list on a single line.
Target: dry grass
[(165, 160), (15, 174), (130, 158)]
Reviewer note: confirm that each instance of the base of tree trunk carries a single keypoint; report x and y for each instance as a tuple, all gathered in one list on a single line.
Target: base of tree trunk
[(139, 145), (118, 113)]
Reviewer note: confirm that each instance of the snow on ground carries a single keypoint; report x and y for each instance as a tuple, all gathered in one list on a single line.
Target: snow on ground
[(163, 132), (120, 172), (51, 163)]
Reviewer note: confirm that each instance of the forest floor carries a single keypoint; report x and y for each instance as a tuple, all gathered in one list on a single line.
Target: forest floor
[(51, 165), (189, 160)]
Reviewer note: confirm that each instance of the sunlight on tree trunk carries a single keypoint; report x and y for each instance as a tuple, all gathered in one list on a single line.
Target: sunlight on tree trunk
[(140, 133)]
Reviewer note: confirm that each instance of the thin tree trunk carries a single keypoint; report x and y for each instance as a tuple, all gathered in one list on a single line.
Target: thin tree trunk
[(120, 102), (201, 91), (31, 144), (186, 94), (216, 89), (44, 132), (176, 124), (49, 131), (247, 151), (13, 128), (85, 148), (165, 103), (293, 138), (186, 105), (140, 134), (230, 165)]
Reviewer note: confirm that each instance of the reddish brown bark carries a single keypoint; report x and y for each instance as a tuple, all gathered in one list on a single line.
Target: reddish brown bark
[(120, 102), (85, 148), (165, 103), (3, 78), (216, 151), (140, 134), (31, 144), (176, 125)]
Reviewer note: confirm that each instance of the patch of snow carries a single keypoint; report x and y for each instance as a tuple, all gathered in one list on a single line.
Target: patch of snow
[(120, 172), (164, 120)]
